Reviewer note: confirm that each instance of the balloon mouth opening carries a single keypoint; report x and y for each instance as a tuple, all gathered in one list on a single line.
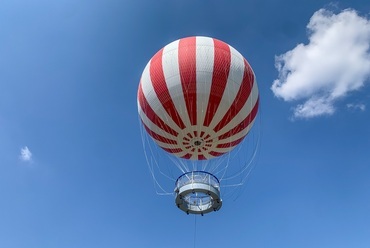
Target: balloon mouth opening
[(198, 192), (197, 143)]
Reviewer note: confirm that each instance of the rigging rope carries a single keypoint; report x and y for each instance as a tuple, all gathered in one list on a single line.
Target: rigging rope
[(195, 228)]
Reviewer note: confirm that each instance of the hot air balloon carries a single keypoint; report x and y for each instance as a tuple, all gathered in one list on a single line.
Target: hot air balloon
[(197, 101)]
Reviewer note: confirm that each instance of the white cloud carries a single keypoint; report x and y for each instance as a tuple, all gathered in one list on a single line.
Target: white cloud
[(359, 106), (335, 62), (26, 154)]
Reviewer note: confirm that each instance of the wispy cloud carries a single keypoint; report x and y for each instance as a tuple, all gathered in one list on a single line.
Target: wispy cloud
[(335, 62), (359, 106), (26, 154)]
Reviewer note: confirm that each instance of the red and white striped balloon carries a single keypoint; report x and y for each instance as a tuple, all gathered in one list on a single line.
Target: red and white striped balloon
[(198, 98)]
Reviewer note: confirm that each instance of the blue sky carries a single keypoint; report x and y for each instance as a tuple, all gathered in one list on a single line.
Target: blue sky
[(72, 168)]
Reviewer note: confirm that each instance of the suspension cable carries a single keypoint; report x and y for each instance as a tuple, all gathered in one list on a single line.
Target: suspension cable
[(195, 228)]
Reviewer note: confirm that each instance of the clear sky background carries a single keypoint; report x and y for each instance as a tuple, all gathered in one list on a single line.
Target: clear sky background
[(72, 169)]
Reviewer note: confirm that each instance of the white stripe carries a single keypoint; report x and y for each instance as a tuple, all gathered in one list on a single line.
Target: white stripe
[(204, 70), (236, 136), (234, 81), (194, 156), (153, 127), (244, 112), (223, 150), (177, 154), (153, 100), (180, 154), (171, 70), (207, 155), (167, 145)]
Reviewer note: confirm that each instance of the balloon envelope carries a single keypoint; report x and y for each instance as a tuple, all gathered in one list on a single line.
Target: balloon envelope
[(198, 98)]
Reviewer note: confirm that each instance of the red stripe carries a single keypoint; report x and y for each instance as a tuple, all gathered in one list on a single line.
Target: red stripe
[(164, 140), (176, 150), (240, 99), (221, 68), (216, 154), (242, 125), (186, 156), (159, 137), (230, 144), (149, 112), (161, 90), (187, 66), (201, 157)]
